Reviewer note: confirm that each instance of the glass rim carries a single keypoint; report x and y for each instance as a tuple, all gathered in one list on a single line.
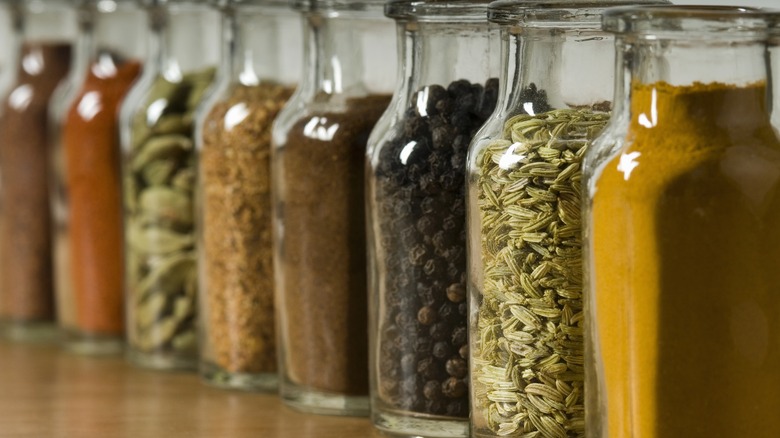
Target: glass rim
[(552, 13), (700, 19), (454, 11), (157, 3), (338, 5), (238, 4)]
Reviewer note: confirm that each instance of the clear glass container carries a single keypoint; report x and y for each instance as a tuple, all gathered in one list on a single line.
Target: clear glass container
[(158, 166), (9, 18), (318, 155), (263, 44), (523, 204), (45, 31), (86, 193), (416, 166), (682, 204)]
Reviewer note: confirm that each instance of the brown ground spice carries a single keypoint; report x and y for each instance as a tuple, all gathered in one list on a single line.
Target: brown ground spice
[(323, 251), (26, 286)]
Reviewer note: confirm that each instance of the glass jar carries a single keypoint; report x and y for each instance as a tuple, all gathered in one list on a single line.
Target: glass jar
[(681, 218), (9, 17), (318, 192), (86, 194), (524, 246), (46, 30), (263, 44), (158, 165), (416, 165)]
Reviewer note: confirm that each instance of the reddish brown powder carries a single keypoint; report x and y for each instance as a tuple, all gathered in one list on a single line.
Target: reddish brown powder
[(91, 146), (26, 292)]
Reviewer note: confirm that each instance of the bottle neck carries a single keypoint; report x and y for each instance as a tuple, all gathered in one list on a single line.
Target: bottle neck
[(108, 39), (551, 68), (49, 23), (439, 53), (118, 32), (184, 38), (347, 54), (261, 45), (681, 84)]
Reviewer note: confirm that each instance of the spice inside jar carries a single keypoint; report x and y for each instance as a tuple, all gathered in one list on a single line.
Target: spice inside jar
[(237, 234), (322, 259), (26, 276)]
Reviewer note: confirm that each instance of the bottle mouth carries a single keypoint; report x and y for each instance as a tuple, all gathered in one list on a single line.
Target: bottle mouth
[(338, 5), (231, 4), (690, 22), (454, 11), (556, 13)]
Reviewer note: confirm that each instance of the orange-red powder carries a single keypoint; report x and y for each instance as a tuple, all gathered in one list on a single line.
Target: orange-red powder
[(90, 140)]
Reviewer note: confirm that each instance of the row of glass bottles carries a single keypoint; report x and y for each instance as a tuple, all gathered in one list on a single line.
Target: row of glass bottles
[(524, 172)]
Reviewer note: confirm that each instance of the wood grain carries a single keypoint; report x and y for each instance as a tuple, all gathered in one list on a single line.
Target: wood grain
[(46, 392)]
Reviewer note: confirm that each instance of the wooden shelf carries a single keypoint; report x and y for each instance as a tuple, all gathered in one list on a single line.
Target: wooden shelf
[(46, 392)]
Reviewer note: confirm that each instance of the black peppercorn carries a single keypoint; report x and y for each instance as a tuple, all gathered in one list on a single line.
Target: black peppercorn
[(428, 205), (459, 87), (463, 352), (426, 224), (420, 196), (417, 254), (439, 331), (459, 336), (428, 369), (434, 267), (456, 367), (445, 106), (409, 385), (435, 407), (404, 320), (454, 388), (457, 408), (409, 363), (448, 312), (429, 184), (425, 294), (422, 346), (432, 390), (456, 293), (409, 237), (427, 315), (441, 350), (449, 223)]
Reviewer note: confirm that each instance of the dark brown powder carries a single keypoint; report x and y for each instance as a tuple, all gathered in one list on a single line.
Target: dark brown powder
[(26, 287), (323, 252)]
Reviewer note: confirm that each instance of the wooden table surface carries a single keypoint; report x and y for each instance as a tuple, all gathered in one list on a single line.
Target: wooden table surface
[(45, 392)]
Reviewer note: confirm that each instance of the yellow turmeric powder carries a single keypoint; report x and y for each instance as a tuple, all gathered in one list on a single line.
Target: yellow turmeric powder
[(685, 267)]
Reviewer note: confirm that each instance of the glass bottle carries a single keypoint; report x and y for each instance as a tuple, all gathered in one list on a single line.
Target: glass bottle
[(319, 146), (9, 18), (681, 213), (523, 199), (46, 30), (158, 165), (86, 194), (262, 43), (416, 165)]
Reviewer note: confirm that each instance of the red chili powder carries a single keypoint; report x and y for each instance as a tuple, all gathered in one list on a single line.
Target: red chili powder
[(90, 140)]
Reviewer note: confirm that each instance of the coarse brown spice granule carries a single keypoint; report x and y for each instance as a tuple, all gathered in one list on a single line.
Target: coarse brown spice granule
[(322, 253), (237, 259)]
